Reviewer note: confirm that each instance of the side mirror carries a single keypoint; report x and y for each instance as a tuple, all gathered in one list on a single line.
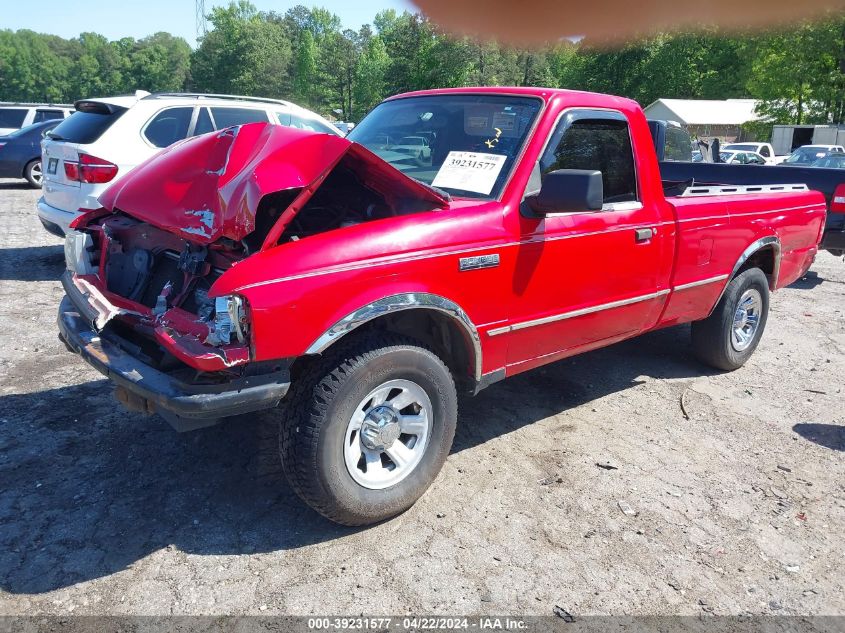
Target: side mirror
[(567, 190)]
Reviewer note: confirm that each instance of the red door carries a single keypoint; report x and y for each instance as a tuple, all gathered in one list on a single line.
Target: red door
[(586, 277)]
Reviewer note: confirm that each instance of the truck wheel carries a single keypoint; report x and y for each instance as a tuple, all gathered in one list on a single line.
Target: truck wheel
[(33, 173), (728, 337), (368, 429)]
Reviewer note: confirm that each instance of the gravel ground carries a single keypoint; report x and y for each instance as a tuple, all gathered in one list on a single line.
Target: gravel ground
[(581, 484)]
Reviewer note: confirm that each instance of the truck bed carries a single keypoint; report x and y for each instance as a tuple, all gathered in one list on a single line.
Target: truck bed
[(678, 176)]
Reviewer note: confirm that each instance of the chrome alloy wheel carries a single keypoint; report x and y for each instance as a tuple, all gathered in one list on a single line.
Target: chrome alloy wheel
[(37, 173), (746, 319), (388, 434)]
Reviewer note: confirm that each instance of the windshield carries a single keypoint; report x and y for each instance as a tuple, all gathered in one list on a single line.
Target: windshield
[(744, 148), (805, 155), (464, 144), (836, 160)]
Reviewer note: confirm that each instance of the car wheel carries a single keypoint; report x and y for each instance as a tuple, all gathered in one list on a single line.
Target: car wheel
[(33, 173), (368, 429), (728, 337)]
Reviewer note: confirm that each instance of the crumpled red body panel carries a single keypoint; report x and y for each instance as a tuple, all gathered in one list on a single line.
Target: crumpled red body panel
[(210, 186)]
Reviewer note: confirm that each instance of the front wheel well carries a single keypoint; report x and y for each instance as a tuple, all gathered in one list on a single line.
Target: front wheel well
[(436, 330)]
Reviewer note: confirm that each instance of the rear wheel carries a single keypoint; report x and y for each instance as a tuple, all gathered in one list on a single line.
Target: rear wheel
[(728, 337), (33, 173), (368, 429)]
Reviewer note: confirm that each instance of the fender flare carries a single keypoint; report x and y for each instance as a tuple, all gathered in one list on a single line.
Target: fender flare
[(770, 241), (398, 303)]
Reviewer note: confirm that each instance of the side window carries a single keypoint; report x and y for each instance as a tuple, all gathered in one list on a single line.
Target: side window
[(47, 115), (12, 117), (284, 117), (227, 117), (204, 124), (310, 124), (599, 144), (169, 126), (764, 151)]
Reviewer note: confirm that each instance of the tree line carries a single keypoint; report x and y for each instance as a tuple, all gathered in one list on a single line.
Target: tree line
[(305, 55)]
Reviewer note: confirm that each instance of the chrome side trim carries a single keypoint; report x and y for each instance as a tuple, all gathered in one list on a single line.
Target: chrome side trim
[(700, 282), (576, 313), (763, 242), (398, 303)]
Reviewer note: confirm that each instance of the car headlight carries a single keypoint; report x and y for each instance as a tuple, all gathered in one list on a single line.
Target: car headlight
[(229, 320), (79, 248)]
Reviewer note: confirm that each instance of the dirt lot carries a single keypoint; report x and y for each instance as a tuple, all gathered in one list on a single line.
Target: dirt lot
[(738, 509)]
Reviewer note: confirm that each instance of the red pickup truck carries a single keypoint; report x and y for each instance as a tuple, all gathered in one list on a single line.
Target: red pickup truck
[(357, 284)]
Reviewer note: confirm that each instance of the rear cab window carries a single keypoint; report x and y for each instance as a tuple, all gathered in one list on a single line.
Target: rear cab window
[(595, 141), (12, 117), (88, 123), (678, 147)]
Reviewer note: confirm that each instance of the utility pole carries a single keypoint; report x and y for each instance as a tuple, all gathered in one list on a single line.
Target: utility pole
[(200, 9)]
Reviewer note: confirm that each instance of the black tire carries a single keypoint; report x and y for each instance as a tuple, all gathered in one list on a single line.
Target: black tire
[(712, 339), (315, 421), (31, 171)]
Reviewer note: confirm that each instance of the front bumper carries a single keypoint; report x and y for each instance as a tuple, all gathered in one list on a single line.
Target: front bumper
[(162, 392)]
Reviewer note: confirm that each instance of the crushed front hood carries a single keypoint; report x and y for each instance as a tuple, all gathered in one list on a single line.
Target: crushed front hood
[(210, 186)]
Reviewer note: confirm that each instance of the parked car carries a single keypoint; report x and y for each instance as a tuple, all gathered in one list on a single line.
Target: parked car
[(734, 157), (106, 138), (765, 150), (808, 154), (415, 146), (235, 271), (20, 152), (832, 160), (14, 116)]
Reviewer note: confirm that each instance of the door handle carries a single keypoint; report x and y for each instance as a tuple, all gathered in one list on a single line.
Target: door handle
[(643, 235)]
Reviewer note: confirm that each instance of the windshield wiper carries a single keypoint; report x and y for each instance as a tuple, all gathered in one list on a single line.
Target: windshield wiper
[(55, 137), (437, 190)]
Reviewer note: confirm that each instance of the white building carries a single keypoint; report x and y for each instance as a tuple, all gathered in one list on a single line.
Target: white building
[(706, 118)]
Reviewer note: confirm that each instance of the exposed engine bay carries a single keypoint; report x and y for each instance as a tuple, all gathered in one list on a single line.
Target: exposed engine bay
[(343, 199), (160, 270), (167, 262)]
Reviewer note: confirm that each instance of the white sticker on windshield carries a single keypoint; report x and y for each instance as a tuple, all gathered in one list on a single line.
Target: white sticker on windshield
[(470, 171)]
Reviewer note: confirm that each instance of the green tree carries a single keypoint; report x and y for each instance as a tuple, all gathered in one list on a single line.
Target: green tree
[(245, 53), (370, 76)]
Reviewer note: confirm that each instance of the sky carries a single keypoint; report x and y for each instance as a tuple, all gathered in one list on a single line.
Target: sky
[(134, 18)]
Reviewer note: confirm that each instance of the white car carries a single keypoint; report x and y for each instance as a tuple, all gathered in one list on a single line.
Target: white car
[(763, 149), (415, 146), (14, 116), (105, 138), (734, 157)]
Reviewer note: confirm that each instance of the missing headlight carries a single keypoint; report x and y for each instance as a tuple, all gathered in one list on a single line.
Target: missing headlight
[(229, 321), (79, 249)]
